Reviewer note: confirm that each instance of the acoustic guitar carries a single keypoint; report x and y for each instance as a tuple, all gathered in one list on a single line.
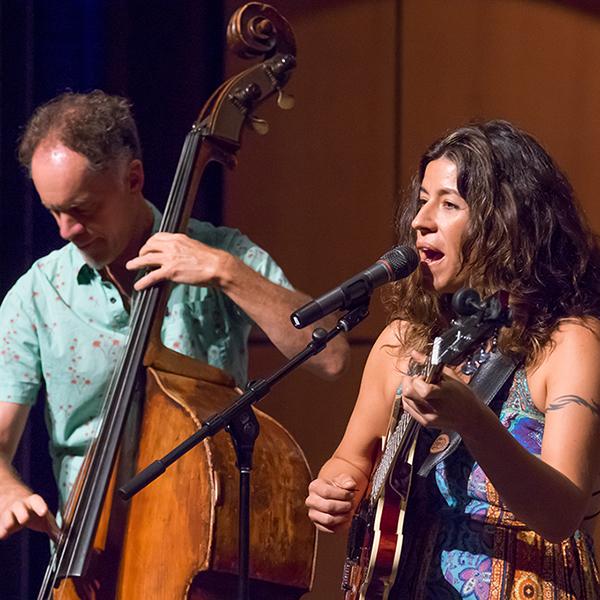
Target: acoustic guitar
[(376, 533)]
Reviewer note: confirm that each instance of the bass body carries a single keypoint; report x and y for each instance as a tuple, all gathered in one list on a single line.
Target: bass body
[(178, 538)]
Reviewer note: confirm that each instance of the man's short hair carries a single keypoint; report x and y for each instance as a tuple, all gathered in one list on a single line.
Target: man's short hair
[(97, 125)]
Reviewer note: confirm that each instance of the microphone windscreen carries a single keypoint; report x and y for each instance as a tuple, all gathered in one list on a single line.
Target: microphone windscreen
[(402, 260)]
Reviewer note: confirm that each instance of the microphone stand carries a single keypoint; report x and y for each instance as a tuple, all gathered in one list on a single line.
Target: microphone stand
[(240, 422)]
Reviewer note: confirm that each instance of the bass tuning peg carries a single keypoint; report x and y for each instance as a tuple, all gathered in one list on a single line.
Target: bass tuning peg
[(259, 125), (285, 101)]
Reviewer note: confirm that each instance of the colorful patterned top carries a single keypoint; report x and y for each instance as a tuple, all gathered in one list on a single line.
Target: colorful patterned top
[(64, 326), (475, 548)]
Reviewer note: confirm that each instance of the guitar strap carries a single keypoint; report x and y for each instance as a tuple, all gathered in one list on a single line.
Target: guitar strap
[(486, 383)]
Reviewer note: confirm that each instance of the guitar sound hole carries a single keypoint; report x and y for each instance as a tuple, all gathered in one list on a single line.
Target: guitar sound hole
[(400, 479)]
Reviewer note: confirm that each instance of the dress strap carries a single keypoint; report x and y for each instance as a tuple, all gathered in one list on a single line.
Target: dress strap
[(486, 383)]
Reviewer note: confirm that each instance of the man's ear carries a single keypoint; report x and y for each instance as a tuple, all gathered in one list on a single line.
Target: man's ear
[(135, 176)]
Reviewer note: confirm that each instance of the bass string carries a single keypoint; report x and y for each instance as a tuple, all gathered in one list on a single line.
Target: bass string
[(113, 407)]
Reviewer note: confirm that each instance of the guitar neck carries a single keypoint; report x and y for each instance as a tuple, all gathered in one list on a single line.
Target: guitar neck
[(433, 373), (396, 448), (400, 440)]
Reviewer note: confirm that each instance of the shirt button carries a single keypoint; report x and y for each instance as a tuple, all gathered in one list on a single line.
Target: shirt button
[(113, 300)]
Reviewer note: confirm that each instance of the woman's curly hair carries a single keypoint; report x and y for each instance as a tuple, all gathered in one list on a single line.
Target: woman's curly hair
[(525, 235), (97, 125)]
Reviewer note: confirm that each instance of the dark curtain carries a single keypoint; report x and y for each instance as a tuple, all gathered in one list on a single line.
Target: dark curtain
[(167, 58)]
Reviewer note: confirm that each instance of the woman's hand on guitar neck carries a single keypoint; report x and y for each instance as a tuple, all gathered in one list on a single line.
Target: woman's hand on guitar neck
[(19, 510), (330, 502), (449, 405)]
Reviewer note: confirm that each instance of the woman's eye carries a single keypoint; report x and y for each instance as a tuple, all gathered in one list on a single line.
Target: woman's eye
[(450, 205)]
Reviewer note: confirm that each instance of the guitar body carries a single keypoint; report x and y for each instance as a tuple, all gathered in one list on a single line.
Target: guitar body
[(375, 539)]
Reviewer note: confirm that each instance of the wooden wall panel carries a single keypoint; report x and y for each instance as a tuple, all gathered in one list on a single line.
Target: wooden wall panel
[(534, 63), (317, 190)]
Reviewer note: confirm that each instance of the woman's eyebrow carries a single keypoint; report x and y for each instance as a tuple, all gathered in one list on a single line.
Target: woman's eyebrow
[(442, 191)]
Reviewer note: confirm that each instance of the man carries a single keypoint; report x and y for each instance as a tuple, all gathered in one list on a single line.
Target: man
[(66, 320)]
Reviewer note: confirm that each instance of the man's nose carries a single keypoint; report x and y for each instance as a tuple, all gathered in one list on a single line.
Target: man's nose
[(68, 227)]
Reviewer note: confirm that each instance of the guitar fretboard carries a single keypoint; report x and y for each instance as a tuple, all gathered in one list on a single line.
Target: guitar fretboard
[(401, 436)]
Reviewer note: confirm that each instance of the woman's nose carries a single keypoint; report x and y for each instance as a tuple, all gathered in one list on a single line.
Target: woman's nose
[(425, 218)]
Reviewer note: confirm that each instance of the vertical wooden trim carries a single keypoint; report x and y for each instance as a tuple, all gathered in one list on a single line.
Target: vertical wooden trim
[(398, 125)]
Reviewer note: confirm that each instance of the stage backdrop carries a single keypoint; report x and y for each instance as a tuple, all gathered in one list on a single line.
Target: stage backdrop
[(376, 81)]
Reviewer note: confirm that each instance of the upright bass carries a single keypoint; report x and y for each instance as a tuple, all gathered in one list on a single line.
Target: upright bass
[(178, 537)]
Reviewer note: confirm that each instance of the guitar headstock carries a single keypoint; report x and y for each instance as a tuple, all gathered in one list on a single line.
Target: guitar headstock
[(476, 322)]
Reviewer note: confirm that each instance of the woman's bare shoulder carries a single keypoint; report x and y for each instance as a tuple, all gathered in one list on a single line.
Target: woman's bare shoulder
[(570, 360), (389, 347), (571, 338)]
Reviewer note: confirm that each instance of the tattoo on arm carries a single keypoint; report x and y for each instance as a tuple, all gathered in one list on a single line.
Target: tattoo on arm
[(563, 401)]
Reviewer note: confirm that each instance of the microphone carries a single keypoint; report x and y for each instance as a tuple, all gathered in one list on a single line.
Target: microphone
[(399, 262)]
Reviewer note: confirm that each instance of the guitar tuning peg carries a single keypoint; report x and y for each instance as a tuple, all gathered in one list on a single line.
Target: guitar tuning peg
[(259, 125), (494, 342), (285, 101), (482, 356), (470, 367)]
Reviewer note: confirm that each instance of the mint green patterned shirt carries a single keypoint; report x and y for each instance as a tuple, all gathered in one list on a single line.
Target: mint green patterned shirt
[(61, 325)]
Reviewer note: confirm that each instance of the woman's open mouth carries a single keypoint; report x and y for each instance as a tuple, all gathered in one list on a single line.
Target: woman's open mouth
[(431, 255)]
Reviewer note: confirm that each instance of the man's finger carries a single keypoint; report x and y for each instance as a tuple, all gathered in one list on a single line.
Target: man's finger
[(150, 279), (21, 512), (37, 505), (152, 259), (8, 524)]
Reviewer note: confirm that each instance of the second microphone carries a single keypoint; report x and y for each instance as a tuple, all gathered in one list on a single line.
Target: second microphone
[(399, 262)]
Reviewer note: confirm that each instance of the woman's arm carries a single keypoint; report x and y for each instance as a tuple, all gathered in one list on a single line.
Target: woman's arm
[(342, 480)]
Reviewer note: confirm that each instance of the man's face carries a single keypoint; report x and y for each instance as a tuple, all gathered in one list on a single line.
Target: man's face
[(97, 211)]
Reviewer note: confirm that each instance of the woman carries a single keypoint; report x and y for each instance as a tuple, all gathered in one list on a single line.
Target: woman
[(510, 513)]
